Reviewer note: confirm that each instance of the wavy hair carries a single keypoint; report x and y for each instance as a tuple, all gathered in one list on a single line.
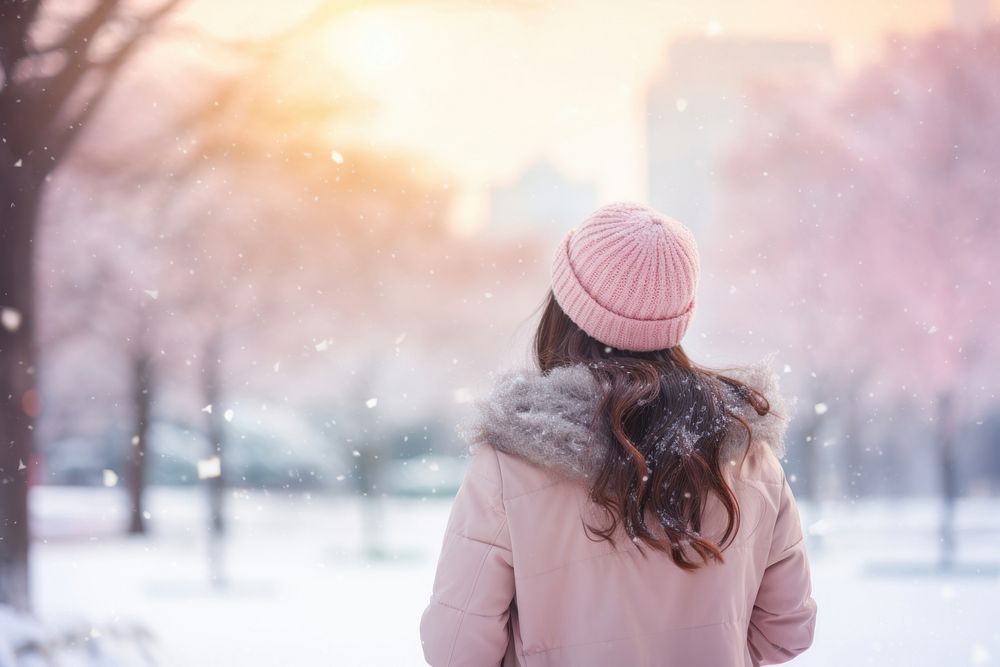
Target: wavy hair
[(668, 419)]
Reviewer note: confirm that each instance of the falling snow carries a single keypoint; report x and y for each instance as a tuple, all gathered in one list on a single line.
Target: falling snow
[(209, 468), (10, 319)]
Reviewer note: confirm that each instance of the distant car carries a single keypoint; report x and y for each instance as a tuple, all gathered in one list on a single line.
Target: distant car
[(422, 476)]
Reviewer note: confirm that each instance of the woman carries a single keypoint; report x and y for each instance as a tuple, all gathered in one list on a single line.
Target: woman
[(623, 505)]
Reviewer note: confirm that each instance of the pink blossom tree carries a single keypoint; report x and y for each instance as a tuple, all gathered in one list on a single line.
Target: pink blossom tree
[(875, 209)]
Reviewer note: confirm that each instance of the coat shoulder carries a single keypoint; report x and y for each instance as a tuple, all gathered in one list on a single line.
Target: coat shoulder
[(519, 476), (762, 465)]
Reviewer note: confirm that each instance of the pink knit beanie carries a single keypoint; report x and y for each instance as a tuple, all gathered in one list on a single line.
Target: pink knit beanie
[(628, 277)]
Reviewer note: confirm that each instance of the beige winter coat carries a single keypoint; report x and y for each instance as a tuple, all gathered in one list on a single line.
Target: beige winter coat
[(519, 582)]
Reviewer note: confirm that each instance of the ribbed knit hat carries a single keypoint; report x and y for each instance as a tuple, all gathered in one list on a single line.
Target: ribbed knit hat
[(628, 277)]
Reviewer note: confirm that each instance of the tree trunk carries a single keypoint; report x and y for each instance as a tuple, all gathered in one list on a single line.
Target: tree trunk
[(854, 454), (216, 438), (808, 480), (372, 507), (136, 459), (809, 466), (19, 399), (369, 445), (949, 477)]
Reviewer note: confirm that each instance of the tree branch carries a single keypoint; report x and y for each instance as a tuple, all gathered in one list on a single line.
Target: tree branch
[(85, 28), (15, 19), (61, 143)]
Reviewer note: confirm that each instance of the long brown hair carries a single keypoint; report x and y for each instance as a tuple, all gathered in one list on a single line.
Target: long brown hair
[(668, 418)]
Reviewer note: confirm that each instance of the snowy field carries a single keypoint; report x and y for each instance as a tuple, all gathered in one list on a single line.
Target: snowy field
[(300, 589)]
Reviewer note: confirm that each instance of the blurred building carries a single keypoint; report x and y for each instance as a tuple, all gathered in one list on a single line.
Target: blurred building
[(696, 104), (542, 200), (971, 14)]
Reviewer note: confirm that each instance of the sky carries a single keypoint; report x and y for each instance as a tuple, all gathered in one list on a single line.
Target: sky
[(484, 89)]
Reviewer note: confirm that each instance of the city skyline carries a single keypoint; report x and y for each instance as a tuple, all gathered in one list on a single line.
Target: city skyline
[(574, 91)]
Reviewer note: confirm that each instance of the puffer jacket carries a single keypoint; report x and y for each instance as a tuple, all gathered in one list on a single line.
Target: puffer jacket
[(519, 581)]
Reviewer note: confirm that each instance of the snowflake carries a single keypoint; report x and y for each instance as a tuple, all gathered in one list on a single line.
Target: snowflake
[(10, 318), (209, 468)]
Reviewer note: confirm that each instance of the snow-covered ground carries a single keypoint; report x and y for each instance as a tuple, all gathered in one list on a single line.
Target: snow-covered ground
[(301, 590)]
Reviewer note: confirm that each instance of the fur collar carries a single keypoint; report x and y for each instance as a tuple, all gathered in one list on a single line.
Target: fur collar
[(543, 417)]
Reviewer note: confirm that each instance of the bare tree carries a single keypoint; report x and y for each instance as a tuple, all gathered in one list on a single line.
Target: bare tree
[(53, 78), (56, 71)]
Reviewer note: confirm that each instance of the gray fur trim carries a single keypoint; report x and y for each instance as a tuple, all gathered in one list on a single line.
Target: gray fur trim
[(543, 418), (770, 428)]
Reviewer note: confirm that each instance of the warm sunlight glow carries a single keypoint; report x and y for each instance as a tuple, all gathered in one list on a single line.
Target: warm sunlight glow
[(467, 215), (485, 93), (371, 43)]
